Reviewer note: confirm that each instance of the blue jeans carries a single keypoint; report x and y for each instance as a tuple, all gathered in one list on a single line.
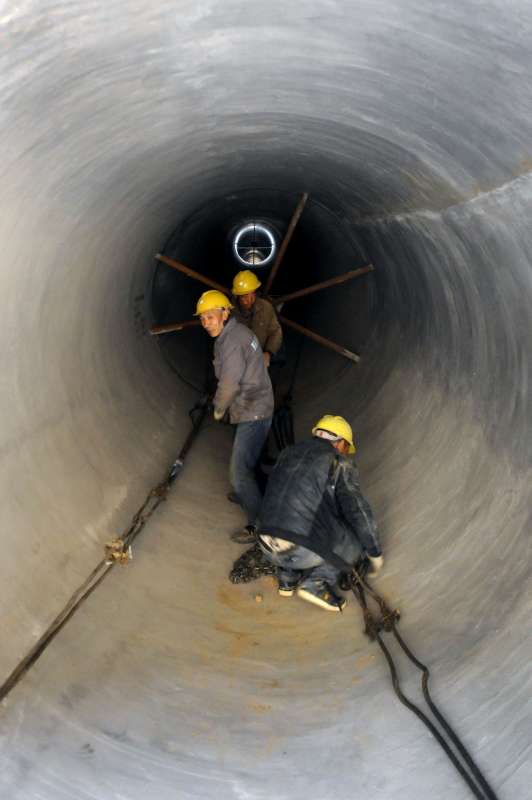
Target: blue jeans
[(247, 447), (300, 563)]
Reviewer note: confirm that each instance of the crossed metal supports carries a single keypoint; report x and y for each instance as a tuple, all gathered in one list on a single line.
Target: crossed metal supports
[(276, 301)]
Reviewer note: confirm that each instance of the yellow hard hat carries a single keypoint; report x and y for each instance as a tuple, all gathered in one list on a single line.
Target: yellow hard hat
[(245, 282), (338, 426), (211, 300)]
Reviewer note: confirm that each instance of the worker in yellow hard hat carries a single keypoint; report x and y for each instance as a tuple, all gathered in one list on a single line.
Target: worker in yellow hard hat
[(314, 523), (244, 391), (257, 313), (337, 430)]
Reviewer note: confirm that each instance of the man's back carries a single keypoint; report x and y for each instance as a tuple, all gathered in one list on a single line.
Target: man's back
[(313, 499), (244, 385)]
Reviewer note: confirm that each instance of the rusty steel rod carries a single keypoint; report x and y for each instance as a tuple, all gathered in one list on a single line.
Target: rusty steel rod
[(317, 287), (286, 241), (191, 273), (316, 337), (174, 326)]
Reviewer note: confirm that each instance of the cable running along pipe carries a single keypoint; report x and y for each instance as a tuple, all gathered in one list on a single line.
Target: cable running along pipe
[(474, 777)]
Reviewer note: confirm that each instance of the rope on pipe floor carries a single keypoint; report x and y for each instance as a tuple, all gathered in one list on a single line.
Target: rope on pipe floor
[(117, 552)]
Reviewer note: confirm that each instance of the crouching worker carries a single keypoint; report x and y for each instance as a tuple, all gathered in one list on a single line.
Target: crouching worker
[(244, 390), (314, 522)]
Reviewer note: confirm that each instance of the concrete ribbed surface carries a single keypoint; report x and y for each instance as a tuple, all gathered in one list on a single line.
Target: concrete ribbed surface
[(411, 126)]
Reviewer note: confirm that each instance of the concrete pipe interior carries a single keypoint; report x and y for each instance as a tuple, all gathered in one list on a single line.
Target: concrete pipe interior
[(129, 128)]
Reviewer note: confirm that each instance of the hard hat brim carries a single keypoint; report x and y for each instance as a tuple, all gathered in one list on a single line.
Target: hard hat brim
[(352, 448), (217, 308)]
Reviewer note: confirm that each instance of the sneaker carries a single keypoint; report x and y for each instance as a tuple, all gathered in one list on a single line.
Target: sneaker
[(287, 586), (322, 595), (247, 535)]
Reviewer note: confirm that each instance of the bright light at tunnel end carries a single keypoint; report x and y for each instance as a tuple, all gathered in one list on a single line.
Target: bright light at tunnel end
[(254, 245)]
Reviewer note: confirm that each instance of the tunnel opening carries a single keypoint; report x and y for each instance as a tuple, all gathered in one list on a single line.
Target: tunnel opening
[(254, 244), (321, 248)]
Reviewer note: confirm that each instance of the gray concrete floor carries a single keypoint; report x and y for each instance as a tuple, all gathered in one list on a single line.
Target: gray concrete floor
[(172, 682)]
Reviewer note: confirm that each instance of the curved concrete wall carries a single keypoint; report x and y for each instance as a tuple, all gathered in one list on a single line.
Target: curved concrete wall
[(411, 124)]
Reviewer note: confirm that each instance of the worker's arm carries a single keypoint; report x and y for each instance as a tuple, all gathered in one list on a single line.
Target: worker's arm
[(230, 371), (274, 333), (356, 509)]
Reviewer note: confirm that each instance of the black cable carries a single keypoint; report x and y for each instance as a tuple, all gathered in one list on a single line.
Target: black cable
[(359, 585), (441, 719), (426, 721), (283, 418), (289, 393)]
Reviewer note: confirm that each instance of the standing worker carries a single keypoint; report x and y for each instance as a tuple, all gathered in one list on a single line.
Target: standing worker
[(257, 314), (314, 522), (245, 391)]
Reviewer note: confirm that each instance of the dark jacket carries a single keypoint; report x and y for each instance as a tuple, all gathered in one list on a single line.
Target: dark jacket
[(244, 386), (262, 320), (313, 499)]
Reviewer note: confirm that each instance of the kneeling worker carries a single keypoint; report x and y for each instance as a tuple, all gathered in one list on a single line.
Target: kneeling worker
[(256, 313), (245, 390), (314, 522)]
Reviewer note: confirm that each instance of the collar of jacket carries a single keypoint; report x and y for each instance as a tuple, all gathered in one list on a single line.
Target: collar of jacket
[(231, 322), (323, 444)]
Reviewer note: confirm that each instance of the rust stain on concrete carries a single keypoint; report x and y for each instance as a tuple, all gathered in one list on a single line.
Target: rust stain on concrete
[(260, 708), (364, 661)]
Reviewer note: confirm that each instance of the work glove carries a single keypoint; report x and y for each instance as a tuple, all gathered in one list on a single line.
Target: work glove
[(218, 414), (376, 564)]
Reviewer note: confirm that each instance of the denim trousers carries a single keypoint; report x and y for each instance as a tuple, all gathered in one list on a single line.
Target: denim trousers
[(300, 563), (247, 447)]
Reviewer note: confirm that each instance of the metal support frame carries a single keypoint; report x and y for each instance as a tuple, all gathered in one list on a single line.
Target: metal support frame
[(286, 241), (317, 287), (174, 326), (315, 337)]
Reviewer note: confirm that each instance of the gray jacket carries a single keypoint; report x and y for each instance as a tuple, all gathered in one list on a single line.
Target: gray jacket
[(244, 386)]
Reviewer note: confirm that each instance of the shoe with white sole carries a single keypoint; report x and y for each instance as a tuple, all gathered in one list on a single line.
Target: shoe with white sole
[(323, 596), (287, 586)]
